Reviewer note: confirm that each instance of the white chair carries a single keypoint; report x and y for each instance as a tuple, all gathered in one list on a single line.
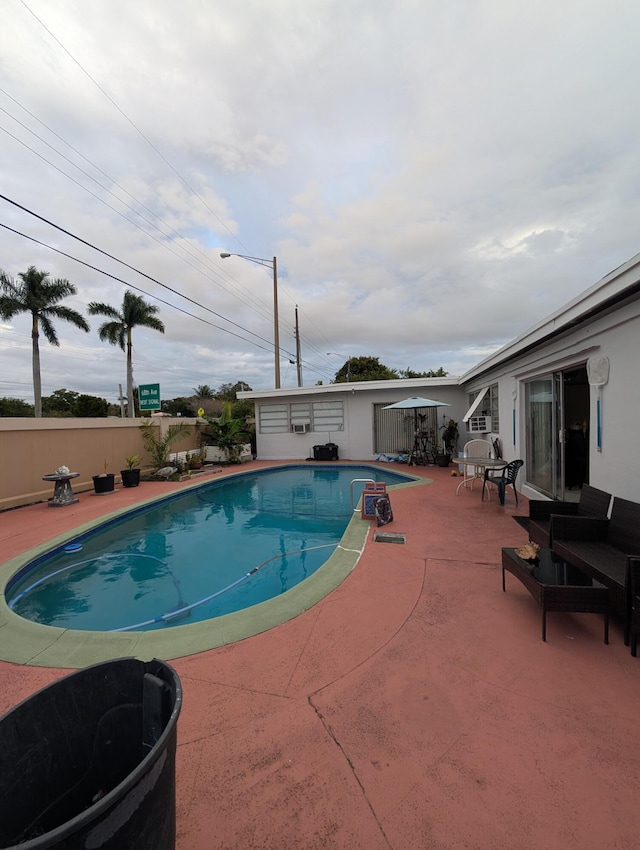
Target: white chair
[(475, 448)]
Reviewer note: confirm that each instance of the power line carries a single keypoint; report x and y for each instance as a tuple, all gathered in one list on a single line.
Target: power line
[(134, 125), (248, 301), (144, 292), (127, 265), (167, 162)]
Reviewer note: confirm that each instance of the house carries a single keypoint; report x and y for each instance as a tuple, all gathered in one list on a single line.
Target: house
[(564, 396)]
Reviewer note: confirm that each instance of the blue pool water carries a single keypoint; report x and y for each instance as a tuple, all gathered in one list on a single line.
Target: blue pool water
[(199, 554)]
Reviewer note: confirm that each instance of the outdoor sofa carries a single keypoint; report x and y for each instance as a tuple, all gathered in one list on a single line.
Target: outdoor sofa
[(604, 549)]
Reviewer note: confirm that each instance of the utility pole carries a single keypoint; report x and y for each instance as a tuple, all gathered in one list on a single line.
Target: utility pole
[(298, 363), (121, 400)]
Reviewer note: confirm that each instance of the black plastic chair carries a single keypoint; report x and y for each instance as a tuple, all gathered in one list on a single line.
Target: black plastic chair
[(501, 478)]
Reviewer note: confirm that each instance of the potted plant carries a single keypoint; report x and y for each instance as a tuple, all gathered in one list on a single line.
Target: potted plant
[(450, 434), (131, 475), (105, 482), (194, 461)]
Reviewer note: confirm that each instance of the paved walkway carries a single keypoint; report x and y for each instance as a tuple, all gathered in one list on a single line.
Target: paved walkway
[(414, 707)]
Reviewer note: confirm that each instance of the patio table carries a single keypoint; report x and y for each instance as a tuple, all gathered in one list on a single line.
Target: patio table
[(479, 464), (557, 586)]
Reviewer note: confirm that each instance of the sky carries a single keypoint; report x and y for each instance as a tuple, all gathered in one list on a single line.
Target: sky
[(433, 178)]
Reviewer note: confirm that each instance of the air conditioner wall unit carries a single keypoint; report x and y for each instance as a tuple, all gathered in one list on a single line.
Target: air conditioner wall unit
[(301, 428), (479, 424)]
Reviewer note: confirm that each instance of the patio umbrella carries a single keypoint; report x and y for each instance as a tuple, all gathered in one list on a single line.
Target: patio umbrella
[(415, 403)]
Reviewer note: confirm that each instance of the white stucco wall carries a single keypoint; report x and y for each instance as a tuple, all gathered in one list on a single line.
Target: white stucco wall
[(356, 441), (615, 336), (588, 326)]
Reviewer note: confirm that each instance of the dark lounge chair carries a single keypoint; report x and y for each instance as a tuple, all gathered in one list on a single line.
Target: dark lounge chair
[(593, 502)]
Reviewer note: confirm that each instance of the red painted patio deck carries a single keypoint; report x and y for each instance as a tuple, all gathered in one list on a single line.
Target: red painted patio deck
[(414, 707)]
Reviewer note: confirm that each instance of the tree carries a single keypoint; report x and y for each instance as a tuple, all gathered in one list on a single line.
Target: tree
[(159, 446), (135, 312), (60, 403), (177, 406), (364, 369), (229, 392), (432, 373), (205, 398), (37, 294), (203, 391), (90, 406), (15, 407), (227, 432)]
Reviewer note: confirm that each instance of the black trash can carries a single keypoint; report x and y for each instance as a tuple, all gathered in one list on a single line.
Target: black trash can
[(89, 761)]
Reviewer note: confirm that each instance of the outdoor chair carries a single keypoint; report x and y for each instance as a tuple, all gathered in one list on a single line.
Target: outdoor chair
[(501, 478), (475, 448), (593, 502)]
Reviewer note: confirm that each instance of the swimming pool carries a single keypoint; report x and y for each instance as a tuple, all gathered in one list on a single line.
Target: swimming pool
[(197, 555)]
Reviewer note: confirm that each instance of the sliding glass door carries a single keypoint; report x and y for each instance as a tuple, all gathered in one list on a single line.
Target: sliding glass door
[(540, 442), (557, 432)]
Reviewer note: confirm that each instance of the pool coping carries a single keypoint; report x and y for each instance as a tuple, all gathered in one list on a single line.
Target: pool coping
[(33, 644)]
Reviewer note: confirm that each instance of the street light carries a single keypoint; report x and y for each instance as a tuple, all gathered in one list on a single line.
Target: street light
[(335, 353), (272, 264)]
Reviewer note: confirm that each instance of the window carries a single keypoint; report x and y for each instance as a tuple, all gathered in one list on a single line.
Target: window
[(274, 418), (301, 416), (328, 416), (485, 403)]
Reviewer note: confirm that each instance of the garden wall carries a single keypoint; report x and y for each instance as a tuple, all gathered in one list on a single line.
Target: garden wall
[(31, 448)]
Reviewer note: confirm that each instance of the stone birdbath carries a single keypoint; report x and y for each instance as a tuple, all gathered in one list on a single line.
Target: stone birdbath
[(62, 492)]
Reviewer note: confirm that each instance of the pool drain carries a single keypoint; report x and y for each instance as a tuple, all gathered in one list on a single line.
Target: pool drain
[(389, 537)]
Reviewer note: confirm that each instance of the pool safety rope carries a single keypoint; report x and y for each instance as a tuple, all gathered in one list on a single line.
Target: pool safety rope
[(98, 558), (170, 615)]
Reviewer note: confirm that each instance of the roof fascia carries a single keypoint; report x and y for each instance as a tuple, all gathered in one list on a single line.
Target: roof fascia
[(354, 387)]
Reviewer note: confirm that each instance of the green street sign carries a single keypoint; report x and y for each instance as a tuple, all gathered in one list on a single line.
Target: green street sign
[(149, 396)]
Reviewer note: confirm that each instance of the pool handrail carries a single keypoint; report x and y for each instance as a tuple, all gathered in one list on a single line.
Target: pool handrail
[(358, 481)]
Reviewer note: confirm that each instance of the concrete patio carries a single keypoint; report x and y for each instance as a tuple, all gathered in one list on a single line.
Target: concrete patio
[(415, 706)]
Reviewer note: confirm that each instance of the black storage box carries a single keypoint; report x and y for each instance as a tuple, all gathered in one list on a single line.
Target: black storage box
[(327, 452)]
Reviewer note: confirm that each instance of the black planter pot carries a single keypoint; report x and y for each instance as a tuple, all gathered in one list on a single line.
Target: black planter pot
[(443, 460), (104, 483), (130, 477)]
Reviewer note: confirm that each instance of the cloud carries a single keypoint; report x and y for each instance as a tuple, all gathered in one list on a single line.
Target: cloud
[(433, 178)]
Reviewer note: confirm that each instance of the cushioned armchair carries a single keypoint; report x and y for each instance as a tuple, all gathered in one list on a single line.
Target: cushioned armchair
[(593, 502)]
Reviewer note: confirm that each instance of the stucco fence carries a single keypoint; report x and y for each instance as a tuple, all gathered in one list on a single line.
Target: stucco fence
[(31, 448)]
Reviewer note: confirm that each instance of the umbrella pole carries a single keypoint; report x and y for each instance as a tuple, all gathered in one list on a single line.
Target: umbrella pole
[(416, 453)]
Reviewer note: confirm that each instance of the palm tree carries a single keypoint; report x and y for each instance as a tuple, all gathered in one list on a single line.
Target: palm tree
[(135, 312), (38, 295), (203, 391)]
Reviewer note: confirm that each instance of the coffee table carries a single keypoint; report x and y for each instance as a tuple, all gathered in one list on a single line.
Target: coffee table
[(557, 586)]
